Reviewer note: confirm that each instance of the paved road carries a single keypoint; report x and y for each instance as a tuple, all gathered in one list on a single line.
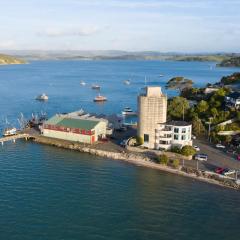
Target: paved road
[(216, 157)]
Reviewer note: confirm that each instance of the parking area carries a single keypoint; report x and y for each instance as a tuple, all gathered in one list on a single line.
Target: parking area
[(216, 157)]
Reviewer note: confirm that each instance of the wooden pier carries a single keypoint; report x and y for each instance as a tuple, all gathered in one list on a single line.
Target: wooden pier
[(13, 138)]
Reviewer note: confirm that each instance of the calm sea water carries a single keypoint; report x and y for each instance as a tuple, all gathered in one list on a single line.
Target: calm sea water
[(50, 193)]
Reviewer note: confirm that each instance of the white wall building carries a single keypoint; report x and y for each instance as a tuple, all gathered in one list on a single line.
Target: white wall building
[(233, 100), (174, 133)]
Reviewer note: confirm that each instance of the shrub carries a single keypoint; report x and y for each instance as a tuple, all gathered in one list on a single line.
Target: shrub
[(163, 159), (175, 163), (188, 151), (139, 140), (176, 149)]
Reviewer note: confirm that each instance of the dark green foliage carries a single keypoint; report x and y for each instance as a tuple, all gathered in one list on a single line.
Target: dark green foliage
[(188, 151), (177, 107), (198, 127), (139, 140), (163, 159)]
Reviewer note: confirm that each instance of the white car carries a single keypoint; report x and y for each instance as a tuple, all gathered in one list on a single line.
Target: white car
[(228, 172), (196, 148), (201, 157), (220, 146)]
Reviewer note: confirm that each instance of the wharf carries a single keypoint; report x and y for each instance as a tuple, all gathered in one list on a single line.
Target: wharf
[(13, 138)]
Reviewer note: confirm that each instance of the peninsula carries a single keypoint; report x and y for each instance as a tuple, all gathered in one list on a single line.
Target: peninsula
[(231, 62), (6, 59)]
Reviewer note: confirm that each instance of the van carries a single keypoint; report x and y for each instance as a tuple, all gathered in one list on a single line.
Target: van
[(201, 157)]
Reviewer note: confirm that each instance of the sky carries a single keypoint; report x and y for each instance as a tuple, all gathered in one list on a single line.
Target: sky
[(131, 25)]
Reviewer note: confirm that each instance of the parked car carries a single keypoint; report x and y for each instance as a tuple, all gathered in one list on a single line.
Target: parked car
[(219, 170), (228, 171), (196, 148), (238, 157), (220, 146), (201, 157)]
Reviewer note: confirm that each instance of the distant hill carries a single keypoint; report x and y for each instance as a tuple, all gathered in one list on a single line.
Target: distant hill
[(230, 62), (199, 58), (6, 59), (117, 55)]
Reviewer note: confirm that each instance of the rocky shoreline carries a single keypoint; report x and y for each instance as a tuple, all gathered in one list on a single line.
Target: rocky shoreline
[(140, 160)]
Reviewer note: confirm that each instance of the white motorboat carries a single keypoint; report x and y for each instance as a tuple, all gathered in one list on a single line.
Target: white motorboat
[(42, 97), (161, 75), (127, 82), (82, 83), (127, 111), (9, 132), (96, 87)]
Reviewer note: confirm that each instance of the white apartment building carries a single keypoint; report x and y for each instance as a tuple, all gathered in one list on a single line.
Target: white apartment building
[(174, 133)]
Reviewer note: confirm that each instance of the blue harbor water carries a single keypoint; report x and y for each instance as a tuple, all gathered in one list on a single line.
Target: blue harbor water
[(51, 193)]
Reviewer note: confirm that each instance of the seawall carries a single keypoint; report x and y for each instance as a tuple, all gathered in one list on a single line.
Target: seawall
[(140, 160)]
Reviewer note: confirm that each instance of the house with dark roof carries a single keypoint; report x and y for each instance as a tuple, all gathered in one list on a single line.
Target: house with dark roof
[(233, 100), (75, 127)]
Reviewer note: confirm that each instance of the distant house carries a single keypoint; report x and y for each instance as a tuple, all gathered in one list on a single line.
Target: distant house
[(173, 134), (233, 100), (209, 90)]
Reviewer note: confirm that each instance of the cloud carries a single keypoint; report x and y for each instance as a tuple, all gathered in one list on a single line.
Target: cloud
[(181, 4), (7, 44), (69, 32)]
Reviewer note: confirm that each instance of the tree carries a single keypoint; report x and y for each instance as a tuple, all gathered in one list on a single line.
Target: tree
[(202, 106), (197, 127), (238, 116), (188, 151), (163, 159), (178, 107), (228, 139), (214, 112)]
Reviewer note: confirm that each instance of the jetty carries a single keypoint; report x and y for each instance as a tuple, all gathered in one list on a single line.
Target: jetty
[(13, 138)]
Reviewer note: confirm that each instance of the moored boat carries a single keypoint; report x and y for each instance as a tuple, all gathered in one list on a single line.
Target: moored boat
[(9, 132), (96, 87), (100, 98), (82, 83), (42, 97), (127, 111), (127, 82)]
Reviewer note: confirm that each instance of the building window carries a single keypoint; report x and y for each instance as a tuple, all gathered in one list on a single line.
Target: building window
[(184, 130), (176, 130), (146, 138), (183, 137), (175, 137)]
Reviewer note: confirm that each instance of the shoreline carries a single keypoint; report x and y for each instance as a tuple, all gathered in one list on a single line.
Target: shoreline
[(139, 160)]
